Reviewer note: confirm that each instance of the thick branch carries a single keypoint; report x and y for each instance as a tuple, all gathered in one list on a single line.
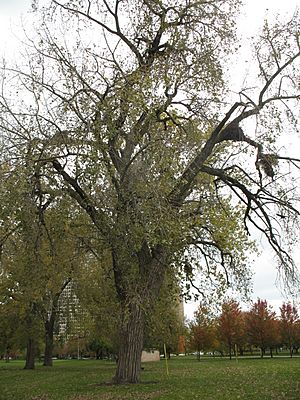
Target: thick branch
[(185, 182), (98, 217)]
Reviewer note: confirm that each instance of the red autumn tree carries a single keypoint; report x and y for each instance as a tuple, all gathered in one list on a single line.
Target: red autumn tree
[(202, 331), (289, 320), (230, 325), (244, 340), (297, 343), (181, 345), (262, 327)]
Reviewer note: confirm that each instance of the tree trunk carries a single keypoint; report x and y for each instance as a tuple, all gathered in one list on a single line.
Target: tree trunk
[(30, 354), (138, 285), (49, 323), (131, 345), (49, 326)]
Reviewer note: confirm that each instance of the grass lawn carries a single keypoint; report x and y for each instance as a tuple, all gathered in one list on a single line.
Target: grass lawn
[(209, 379)]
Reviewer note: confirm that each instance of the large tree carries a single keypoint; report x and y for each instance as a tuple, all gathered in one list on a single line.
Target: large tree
[(127, 108)]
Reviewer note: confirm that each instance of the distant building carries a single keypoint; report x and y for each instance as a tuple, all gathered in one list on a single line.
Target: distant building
[(70, 314)]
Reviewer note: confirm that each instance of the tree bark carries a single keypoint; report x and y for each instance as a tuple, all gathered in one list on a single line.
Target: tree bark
[(7, 354), (49, 326), (30, 354), (131, 344), (137, 286), (49, 323), (230, 355)]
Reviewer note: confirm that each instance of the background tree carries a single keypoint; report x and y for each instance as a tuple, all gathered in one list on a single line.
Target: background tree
[(261, 326), (289, 319), (230, 325), (164, 323), (139, 129), (243, 343), (297, 343), (9, 322), (41, 255), (202, 331), (97, 298)]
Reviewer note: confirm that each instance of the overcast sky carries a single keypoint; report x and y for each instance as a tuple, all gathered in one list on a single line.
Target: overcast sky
[(250, 21)]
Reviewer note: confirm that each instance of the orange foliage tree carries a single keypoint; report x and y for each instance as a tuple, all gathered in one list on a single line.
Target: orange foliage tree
[(262, 326), (202, 331), (231, 325), (289, 320)]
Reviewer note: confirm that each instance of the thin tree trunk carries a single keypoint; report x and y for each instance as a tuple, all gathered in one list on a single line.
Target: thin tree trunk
[(7, 354), (49, 326), (131, 345), (49, 323), (30, 354)]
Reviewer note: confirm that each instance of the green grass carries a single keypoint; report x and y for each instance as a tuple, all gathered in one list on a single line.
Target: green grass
[(209, 379)]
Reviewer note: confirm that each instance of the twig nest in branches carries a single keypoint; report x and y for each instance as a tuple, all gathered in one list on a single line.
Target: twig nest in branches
[(267, 162), (231, 132)]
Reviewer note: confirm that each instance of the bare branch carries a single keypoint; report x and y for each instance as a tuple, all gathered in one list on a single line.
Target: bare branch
[(269, 82), (116, 32)]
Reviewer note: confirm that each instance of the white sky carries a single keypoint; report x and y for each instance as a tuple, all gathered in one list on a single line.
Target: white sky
[(251, 20)]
